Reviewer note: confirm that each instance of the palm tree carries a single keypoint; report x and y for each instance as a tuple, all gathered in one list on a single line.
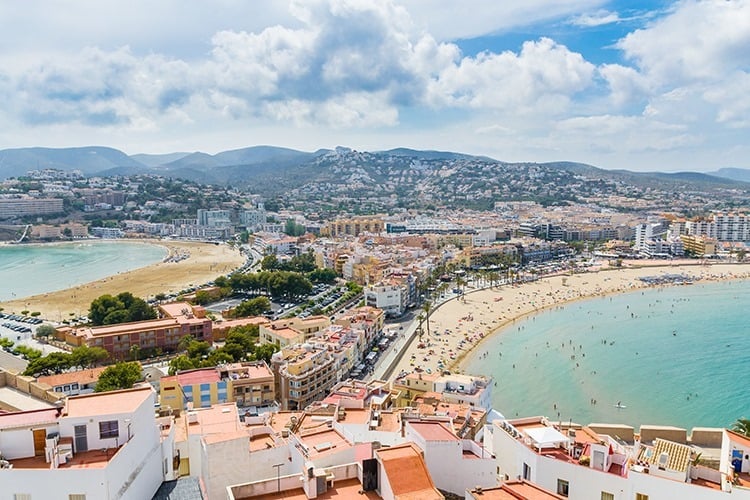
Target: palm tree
[(427, 308), (460, 284), (742, 426), (420, 318)]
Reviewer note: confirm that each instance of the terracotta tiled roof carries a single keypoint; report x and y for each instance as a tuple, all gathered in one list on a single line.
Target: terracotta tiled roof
[(83, 377), (407, 473), (679, 454)]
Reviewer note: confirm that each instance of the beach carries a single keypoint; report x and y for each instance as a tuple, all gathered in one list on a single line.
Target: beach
[(187, 264), (459, 325)]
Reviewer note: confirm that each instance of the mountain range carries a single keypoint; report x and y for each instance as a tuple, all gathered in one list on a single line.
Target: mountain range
[(273, 169)]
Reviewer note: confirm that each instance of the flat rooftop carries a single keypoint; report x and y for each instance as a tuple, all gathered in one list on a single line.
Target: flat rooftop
[(348, 488), (108, 403), (13, 398)]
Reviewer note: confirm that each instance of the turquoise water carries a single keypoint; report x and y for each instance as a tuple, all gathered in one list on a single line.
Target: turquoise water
[(32, 269), (673, 356)]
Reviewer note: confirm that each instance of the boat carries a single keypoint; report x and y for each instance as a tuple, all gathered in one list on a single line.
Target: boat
[(619, 405)]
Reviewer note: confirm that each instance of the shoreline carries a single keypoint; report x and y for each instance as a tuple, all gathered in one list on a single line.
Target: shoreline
[(203, 262), (460, 325)]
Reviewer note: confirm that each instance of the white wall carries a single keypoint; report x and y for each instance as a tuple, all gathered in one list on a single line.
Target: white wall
[(19, 443), (53, 484), (451, 472), (225, 463)]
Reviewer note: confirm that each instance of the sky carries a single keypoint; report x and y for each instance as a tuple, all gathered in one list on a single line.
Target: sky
[(640, 85)]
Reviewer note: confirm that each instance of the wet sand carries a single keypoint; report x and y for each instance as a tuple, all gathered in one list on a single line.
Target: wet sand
[(458, 326), (200, 262)]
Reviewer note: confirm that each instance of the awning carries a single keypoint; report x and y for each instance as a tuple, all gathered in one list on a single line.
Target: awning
[(546, 437)]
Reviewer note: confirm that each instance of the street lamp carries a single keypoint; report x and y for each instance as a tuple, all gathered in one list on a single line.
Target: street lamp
[(278, 476)]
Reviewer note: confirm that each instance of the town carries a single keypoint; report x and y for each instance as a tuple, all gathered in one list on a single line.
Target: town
[(285, 377)]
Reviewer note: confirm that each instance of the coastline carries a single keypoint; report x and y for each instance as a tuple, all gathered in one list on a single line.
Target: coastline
[(204, 262), (459, 326)]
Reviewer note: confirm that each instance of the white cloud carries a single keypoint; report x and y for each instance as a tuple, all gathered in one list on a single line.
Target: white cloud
[(698, 40), (380, 73), (452, 20), (626, 84), (599, 18), (542, 77)]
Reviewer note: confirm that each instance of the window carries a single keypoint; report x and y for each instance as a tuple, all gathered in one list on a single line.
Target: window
[(109, 429), (77, 496), (607, 496), (526, 472), (641, 496), (562, 487), (22, 496)]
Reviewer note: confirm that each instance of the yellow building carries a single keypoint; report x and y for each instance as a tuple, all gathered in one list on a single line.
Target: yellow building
[(698, 245), (252, 384), (413, 385), (198, 388), (290, 331), (354, 226)]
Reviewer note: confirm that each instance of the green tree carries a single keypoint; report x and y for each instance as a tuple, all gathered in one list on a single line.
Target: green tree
[(265, 351), (269, 263), (427, 308), (109, 310), (45, 331), (54, 362), (86, 357), (324, 275), (742, 426), (181, 362), (252, 307), (202, 297), (119, 376)]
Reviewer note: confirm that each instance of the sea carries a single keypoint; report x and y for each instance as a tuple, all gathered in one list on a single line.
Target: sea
[(668, 356), (33, 269)]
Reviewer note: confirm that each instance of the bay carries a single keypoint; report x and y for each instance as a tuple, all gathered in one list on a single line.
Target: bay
[(672, 356), (34, 269)]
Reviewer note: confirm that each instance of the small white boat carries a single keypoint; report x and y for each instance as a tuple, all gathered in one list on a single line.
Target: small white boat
[(620, 406)]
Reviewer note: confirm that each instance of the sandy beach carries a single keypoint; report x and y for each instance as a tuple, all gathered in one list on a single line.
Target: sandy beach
[(200, 262), (458, 326)]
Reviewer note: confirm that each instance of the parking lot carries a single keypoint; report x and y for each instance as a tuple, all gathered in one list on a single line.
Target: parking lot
[(20, 329)]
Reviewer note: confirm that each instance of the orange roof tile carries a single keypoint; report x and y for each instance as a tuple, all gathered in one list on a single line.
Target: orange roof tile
[(407, 473), (515, 490), (82, 377)]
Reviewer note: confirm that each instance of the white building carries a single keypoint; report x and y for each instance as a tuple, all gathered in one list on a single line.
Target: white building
[(582, 464), (105, 445), (465, 389), (455, 464), (392, 298)]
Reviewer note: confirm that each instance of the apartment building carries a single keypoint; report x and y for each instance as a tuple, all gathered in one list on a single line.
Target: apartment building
[(475, 391), (107, 445), (290, 331), (72, 383), (23, 207), (354, 226), (244, 384), (181, 319), (303, 373), (584, 463), (392, 295), (367, 318), (252, 383), (699, 246)]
